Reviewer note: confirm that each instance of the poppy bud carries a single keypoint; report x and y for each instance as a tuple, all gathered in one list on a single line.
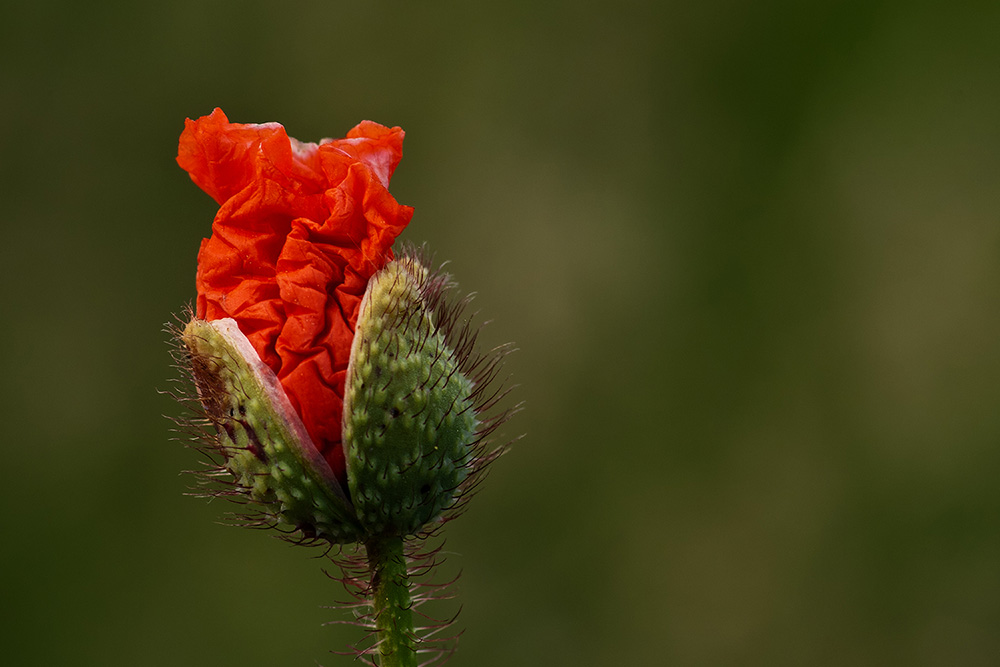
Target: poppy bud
[(409, 420), (341, 387)]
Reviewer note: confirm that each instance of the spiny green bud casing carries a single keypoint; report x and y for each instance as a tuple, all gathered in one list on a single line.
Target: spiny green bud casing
[(409, 419), (262, 440)]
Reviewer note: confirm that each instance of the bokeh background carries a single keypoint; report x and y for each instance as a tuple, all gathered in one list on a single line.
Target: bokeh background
[(749, 251)]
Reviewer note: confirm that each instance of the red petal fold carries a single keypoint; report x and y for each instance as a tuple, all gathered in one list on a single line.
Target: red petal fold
[(300, 230)]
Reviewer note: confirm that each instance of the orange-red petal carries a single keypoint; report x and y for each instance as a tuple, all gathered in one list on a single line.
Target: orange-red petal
[(301, 228)]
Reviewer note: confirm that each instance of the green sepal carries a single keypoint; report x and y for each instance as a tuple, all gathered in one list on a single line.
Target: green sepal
[(408, 416), (263, 442)]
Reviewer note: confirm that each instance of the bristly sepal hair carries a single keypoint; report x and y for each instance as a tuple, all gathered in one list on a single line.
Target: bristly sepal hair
[(490, 387)]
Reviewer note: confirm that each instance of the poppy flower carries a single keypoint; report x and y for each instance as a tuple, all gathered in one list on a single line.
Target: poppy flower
[(336, 388), (301, 229)]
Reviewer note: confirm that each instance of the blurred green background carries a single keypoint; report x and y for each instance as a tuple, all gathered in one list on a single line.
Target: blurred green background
[(749, 251)]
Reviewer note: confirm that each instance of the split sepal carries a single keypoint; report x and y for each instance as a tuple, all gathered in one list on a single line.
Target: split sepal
[(261, 439)]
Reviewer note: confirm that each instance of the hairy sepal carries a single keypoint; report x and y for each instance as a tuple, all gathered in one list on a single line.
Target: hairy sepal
[(261, 438), (409, 420)]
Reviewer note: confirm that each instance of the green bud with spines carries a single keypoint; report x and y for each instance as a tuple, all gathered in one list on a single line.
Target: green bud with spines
[(409, 419)]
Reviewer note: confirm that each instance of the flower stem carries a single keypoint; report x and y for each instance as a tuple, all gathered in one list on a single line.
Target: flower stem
[(391, 602)]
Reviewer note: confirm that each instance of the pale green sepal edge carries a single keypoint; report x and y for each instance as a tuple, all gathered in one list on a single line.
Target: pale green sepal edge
[(264, 442)]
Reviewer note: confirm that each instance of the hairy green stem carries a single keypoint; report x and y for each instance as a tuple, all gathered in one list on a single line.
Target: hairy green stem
[(391, 602)]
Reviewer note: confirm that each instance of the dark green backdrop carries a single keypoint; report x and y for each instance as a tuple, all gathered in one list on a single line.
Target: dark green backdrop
[(750, 252)]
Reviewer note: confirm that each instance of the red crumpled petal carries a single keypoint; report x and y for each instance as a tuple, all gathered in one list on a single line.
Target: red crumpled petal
[(300, 230)]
